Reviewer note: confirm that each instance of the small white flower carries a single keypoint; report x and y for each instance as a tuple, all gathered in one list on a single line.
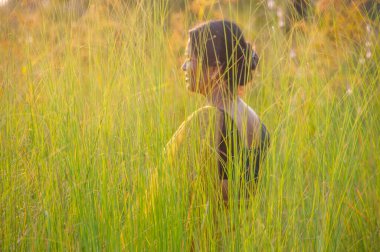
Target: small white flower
[(349, 91), (292, 53), (3, 2), (280, 13), (271, 4), (368, 43), (281, 23), (368, 54), (368, 28)]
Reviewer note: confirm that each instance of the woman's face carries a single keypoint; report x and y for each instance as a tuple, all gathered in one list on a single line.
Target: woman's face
[(197, 77)]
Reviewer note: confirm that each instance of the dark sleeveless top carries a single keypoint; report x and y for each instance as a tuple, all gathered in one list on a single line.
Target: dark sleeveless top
[(232, 151)]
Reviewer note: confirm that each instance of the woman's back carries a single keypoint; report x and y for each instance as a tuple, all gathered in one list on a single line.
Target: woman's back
[(210, 140), (234, 153)]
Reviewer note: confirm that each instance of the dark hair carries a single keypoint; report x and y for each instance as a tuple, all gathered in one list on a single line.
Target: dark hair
[(221, 43)]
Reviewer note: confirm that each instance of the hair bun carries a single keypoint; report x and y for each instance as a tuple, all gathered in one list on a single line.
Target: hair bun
[(254, 57)]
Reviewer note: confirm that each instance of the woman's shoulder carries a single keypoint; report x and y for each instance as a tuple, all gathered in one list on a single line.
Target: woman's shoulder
[(202, 116), (207, 117), (198, 126), (205, 113)]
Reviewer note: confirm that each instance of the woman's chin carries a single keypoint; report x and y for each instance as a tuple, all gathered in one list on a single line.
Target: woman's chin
[(192, 87)]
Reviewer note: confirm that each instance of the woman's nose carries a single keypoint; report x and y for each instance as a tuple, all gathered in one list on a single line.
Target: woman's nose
[(184, 66)]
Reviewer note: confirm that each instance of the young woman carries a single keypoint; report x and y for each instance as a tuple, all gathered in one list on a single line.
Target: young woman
[(219, 61), (214, 157)]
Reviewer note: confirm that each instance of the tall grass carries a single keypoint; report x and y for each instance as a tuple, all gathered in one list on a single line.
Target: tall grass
[(87, 106)]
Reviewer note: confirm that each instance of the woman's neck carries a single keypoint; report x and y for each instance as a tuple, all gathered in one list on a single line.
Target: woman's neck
[(245, 118), (223, 99)]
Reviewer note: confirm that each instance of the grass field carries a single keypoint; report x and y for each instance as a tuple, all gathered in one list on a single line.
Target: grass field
[(88, 102)]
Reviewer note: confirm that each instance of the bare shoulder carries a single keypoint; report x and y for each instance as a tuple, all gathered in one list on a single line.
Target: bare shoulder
[(205, 113), (204, 122), (199, 125), (209, 117)]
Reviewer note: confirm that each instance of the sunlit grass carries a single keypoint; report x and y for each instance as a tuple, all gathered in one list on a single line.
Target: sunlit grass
[(88, 104)]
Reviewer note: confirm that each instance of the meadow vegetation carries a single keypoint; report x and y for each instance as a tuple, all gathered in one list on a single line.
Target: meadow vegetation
[(91, 93)]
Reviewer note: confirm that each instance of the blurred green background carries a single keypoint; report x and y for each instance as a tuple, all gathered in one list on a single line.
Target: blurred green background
[(91, 91)]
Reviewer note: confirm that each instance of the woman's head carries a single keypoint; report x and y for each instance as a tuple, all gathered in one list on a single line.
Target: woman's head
[(217, 51)]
